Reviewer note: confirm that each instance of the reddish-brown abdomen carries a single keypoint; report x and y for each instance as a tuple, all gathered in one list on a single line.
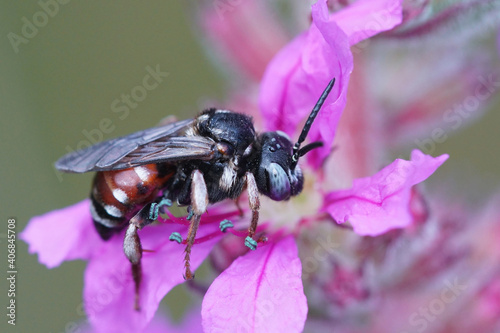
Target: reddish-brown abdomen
[(117, 195)]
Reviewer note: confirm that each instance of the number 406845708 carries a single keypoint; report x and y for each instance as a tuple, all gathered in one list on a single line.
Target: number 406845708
[(11, 246)]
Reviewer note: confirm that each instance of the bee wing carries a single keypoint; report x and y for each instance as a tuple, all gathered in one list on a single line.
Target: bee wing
[(166, 143)]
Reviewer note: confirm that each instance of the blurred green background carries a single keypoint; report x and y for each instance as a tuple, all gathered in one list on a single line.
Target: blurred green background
[(62, 83)]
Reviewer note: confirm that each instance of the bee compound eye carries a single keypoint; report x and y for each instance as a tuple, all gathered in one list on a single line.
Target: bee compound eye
[(278, 182)]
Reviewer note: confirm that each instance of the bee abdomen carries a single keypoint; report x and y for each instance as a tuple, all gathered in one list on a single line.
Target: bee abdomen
[(117, 195)]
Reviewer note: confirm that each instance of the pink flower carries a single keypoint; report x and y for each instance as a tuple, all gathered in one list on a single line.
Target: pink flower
[(68, 234), (379, 203), (261, 290), (294, 78)]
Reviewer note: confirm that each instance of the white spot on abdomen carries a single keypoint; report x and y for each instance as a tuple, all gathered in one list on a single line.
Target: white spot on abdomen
[(142, 172), (113, 211), (120, 195), (104, 221)]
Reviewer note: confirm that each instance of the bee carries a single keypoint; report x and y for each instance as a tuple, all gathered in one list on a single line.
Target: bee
[(194, 162)]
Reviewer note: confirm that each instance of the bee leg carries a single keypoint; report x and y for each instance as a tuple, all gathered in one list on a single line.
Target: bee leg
[(132, 243), (253, 199), (190, 213), (199, 203), (237, 203), (156, 207), (225, 224), (133, 250)]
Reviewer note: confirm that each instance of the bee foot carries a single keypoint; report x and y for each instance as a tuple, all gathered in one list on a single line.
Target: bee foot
[(250, 243), (225, 224), (175, 237)]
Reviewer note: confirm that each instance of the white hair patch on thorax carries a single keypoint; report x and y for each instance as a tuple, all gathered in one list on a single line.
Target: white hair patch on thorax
[(228, 178)]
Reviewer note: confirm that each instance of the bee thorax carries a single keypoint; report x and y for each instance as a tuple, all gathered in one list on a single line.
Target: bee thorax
[(228, 178)]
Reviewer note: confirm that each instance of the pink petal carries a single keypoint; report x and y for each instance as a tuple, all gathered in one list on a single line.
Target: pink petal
[(379, 203), (191, 323), (69, 234), (366, 18), (297, 76), (109, 288), (299, 73), (64, 234), (260, 292)]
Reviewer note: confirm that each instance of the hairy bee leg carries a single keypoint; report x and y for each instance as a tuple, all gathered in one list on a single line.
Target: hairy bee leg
[(195, 223), (132, 245), (133, 250), (199, 203), (253, 199), (137, 276)]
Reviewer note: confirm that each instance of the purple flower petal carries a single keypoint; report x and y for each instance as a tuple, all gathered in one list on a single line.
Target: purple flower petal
[(64, 234), (260, 292), (109, 288), (366, 18), (69, 234), (299, 73), (379, 203), (191, 323), (297, 76)]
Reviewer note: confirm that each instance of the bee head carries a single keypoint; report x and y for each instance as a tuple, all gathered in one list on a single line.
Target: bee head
[(278, 174), (275, 177)]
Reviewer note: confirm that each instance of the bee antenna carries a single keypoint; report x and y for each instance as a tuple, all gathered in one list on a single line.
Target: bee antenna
[(296, 148)]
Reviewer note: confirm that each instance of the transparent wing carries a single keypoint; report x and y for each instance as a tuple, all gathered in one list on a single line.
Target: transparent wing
[(166, 143)]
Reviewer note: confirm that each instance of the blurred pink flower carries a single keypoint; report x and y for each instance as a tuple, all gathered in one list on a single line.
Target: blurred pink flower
[(296, 75), (264, 290), (410, 87), (228, 25)]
